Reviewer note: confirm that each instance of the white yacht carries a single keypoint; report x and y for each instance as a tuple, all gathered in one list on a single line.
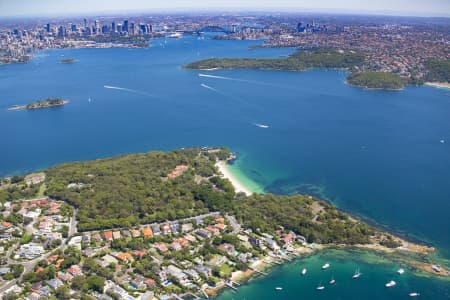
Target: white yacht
[(279, 288), (390, 284), (320, 287), (304, 271), (332, 281), (325, 266), (400, 271), (414, 294)]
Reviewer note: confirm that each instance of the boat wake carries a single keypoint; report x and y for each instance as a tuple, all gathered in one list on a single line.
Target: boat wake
[(261, 125), (247, 81), (217, 77), (208, 87), (126, 90)]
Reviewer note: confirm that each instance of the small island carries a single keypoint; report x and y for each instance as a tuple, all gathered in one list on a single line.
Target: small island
[(47, 103), (68, 61)]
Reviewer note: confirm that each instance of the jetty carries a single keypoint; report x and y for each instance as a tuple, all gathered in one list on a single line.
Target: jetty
[(258, 271), (230, 286)]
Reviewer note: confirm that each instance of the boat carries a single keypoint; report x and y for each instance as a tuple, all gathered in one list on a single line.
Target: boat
[(304, 271), (325, 266), (279, 288), (332, 281), (390, 284), (320, 287), (400, 271), (414, 294), (436, 268), (261, 125), (357, 274), (175, 35)]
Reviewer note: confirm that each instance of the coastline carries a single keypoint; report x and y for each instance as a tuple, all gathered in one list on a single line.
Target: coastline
[(439, 85), (238, 185)]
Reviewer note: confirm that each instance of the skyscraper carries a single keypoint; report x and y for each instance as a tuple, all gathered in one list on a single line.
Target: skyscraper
[(113, 26), (85, 23), (48, 27), (125, 26)]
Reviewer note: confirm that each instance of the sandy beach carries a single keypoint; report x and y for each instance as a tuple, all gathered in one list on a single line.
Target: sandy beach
[(441, 85), (239, 187)]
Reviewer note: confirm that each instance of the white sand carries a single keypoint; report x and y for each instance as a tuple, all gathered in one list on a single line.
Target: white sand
[(239, 187), (444, 85)]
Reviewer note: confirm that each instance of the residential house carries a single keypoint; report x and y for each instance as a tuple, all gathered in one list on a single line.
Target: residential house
[(166, 229), (116, 235), (147, 232), (227, 248), (135, 233), (75, 270), (203, 233), (271, 244), (108, 235), (175, 246), (54, 283), (204, 270), (187, 227), (156, 230), (161, 247)]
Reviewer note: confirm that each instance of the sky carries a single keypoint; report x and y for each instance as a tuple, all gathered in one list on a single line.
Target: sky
[(9, 8)]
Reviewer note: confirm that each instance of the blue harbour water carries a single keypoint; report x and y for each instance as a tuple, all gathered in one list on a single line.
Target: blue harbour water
[(382, 155)]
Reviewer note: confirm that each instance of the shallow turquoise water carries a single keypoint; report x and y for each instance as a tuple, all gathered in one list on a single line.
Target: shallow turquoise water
[(376, 272), (377, 154)]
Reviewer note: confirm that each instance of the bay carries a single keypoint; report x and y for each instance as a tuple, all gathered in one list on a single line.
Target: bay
[(382, 155)]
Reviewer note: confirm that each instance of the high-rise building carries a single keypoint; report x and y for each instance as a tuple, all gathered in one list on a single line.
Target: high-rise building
[(105, 29), (97, 27), (125, 26), (73, 27), (113, 26), (300, 27), (143, 28), (85, 23), (48, 27), (61, 32)]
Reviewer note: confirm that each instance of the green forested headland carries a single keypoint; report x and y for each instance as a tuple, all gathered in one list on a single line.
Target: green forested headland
[(438, 71), (134, 189), (376, 80), (298, 61)]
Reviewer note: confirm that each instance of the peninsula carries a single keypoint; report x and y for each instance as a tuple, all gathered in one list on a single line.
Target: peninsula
[(47, 103), (327, 58), (172, 220)]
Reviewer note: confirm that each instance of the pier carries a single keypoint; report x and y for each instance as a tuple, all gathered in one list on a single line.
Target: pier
[(258, 271)]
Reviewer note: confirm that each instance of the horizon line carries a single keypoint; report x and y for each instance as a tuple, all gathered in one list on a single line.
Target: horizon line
[(288, 11)]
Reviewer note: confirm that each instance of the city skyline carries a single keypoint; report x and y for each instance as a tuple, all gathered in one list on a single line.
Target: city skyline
[(437, 8)]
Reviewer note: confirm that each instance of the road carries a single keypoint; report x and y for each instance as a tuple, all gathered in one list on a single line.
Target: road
[(236, 226)]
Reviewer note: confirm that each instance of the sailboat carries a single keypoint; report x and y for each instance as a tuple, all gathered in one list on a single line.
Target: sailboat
[(89, 100), (357, 274)]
